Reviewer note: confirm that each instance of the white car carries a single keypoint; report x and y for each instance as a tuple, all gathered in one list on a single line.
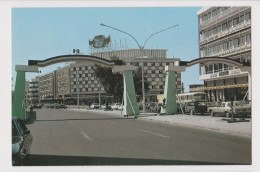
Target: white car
[(116, 106), (94, 106)]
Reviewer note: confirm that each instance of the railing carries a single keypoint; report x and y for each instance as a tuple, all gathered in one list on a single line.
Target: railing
[(231, 30), (221, 16)]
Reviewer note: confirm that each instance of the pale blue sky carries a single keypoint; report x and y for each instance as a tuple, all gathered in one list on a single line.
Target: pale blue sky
[(40, 33)]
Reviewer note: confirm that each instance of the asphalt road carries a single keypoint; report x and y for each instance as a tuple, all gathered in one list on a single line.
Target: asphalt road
[(63, 137)]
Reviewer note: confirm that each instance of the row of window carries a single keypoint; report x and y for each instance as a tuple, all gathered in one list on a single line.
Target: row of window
[(151, 64), (218, 67), (245, 39), (214, 13), (227, 25), (87, 89)]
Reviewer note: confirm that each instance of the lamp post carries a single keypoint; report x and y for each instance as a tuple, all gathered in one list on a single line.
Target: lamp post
[(142, 52)]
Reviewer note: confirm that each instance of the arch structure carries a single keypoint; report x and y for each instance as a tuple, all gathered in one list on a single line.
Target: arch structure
[(169, 103), (130, 103), (204, 60), (69, 58)]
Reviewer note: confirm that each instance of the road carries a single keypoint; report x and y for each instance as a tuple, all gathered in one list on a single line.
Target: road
[(64, 137)]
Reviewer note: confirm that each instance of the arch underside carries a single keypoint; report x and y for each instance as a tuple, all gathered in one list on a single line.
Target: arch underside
[(70, 58), (212, 60)]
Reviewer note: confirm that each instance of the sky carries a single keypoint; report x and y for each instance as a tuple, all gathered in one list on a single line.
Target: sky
[(41, 33)]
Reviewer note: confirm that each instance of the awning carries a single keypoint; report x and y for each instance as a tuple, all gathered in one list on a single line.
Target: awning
[(224, 86)]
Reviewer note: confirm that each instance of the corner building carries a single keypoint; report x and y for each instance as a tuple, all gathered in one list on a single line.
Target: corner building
[(224, 32)]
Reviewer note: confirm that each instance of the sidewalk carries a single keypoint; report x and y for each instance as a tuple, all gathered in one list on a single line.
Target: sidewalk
[(203, 122)]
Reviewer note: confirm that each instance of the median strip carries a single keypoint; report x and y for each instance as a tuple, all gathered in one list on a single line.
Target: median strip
[(155, 134)]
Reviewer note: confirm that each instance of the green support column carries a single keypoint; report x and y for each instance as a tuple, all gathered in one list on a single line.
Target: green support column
[(18, 99), (18, 105), (169, 106), (130, 103)]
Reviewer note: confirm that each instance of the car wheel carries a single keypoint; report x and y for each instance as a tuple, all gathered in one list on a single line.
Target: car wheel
[(227, 114), (211, 113)]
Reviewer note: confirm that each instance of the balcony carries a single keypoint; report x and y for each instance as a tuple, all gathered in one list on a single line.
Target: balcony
[(222, 74), (241, 26), (222, 16)]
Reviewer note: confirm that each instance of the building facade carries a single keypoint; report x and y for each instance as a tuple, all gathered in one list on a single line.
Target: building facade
[(47, 87), (133, 53), (224, 32), (32, 89)]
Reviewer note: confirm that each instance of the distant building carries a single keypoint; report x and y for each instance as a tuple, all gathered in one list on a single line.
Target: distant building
[(32, 91), (224, 32), (65, 84)]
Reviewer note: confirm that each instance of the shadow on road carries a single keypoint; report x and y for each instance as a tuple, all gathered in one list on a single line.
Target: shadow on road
[(58, 160)]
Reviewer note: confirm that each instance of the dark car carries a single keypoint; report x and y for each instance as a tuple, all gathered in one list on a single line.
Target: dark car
[(49, 106), (21, 142), (60, 106)]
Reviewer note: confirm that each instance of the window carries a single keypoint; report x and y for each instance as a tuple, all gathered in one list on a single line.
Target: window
[(230, 44), (242, 40), (225, 46), (215, 67), (242, 18), (248, 38), (236, 42), (220, 66), (235, 21), (214, 12), (225, 67), (248, 16), (229, 24), (224, 26), (209, 15), (219, 29), (210, 68)]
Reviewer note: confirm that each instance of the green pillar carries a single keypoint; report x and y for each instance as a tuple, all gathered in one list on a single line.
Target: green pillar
[(130, 103), (169, 107), (18, 104)]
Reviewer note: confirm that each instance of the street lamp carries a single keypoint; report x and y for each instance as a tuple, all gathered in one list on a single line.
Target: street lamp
[(142, 53)]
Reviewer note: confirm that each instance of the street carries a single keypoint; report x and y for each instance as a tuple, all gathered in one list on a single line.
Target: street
[(63, 137)]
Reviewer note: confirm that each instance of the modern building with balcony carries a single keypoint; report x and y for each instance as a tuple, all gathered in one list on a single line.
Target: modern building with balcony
[(224, 32)]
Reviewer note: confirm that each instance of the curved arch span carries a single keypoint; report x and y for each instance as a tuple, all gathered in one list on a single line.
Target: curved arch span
[(69, 58), (214, 60)]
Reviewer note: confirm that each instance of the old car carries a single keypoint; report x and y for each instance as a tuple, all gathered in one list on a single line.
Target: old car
[(238, 108), (21, 142), (60, 106)]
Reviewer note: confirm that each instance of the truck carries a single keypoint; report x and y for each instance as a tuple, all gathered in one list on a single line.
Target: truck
[(239, 108)]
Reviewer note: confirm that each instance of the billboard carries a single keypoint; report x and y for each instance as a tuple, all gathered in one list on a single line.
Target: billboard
[(99, 41)]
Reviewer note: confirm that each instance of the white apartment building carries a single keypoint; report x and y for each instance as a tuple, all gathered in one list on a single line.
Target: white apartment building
[(224, 32)]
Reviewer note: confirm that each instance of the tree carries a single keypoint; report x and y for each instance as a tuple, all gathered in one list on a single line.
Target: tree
[(113, 82)]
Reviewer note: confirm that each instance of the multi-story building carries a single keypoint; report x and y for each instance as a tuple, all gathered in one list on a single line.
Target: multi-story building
[(47, 87), (132, 53), (195, 87), (78, 79), (33, 91), (224, 32)]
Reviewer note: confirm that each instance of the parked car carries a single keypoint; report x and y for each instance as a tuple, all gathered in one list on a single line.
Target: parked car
[(60, 106), (105, 107), (240, 108), (21, 142), (49, 106), (116, 106), (38, 106), (94, 106)]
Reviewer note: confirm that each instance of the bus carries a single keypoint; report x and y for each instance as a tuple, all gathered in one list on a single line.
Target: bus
[(195, 102)]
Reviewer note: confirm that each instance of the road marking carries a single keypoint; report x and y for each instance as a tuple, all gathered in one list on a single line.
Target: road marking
[(155, 134), (86, 136)]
